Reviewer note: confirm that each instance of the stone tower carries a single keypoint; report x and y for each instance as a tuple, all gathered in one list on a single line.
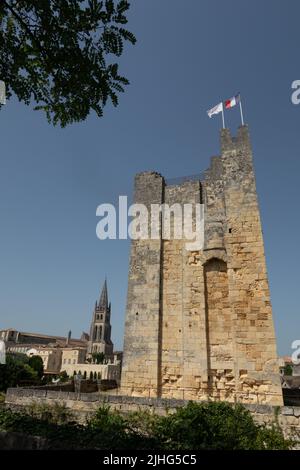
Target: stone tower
[(199, 324), (100, 332)]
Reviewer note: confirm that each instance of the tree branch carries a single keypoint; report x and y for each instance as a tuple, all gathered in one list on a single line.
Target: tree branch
[(26, 27)]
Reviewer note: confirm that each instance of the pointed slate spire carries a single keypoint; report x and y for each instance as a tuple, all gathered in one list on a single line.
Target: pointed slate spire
[(69, 337), (103, 301)]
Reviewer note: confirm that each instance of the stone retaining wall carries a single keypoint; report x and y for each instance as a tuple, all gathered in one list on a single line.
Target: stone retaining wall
[(84, 404)]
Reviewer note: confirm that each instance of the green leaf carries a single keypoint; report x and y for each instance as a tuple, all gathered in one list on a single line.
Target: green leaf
[(58, 61)]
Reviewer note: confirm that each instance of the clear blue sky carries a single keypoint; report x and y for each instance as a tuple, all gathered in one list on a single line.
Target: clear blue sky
[(189, 56)]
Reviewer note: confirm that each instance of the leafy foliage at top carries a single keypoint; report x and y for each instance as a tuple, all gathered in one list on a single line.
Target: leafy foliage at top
[(60, 53)]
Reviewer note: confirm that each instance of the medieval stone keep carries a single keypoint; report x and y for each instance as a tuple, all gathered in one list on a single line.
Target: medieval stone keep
[(199, 324)]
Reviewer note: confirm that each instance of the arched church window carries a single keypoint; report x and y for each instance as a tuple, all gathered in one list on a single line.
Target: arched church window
[(95, 333)]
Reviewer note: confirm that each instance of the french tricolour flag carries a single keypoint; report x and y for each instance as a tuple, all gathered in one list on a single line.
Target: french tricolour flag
[(232, 101)]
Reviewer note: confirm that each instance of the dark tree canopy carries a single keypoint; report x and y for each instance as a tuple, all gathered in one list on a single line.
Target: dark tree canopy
[(98, 358), (16, 371), (61, 54), (36, 363)]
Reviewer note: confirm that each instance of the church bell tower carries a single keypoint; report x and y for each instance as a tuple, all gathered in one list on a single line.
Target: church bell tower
[(100, 332)]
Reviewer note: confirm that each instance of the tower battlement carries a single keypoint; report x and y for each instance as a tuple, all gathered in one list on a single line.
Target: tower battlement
[(199, 324)]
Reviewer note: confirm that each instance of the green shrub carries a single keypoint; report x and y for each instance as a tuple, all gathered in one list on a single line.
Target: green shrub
[(216, 425), (108, 429), (57, 413), (288, 369), (66, 435), (63, 376), (16, 371), (2, 398), (36, 363), (98, 358), (197, 426)]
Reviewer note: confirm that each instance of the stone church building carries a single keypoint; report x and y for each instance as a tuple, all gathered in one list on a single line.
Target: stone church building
[(199, 323)]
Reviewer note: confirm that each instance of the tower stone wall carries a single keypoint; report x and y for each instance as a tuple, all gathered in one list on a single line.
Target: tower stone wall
[(199, 323), (142, 340)]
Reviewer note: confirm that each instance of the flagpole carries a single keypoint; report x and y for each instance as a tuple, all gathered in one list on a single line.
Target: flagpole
[(241, 110), (223, 120)]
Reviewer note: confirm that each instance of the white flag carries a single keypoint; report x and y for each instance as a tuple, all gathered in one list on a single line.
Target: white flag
[(2, 92), (215, 110)]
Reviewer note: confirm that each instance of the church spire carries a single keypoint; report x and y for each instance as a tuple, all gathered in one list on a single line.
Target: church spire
[(103, 301), (100, 331)]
